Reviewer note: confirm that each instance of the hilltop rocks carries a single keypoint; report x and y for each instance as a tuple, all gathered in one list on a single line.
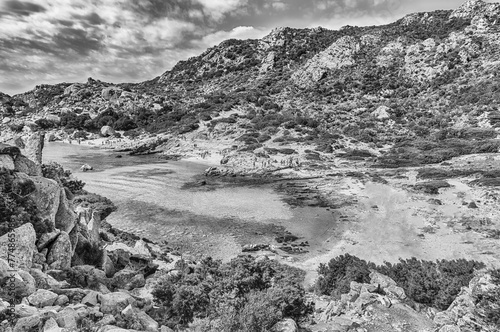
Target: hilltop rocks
[(110, 92), (107, 131), (22, 252), (340, 54)]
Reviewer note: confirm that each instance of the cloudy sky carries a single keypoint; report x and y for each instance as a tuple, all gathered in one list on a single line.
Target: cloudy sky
[(52, 41)]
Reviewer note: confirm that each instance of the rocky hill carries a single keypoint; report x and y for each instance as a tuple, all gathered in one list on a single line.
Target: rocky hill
[(415, 91)]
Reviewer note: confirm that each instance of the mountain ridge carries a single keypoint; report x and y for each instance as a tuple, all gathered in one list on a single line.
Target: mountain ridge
[(416, 69)]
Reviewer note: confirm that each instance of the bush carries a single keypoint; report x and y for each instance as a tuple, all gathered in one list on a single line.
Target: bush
[(16, 206), (56, 172), (242, 295), (45, 124), (430, 283)]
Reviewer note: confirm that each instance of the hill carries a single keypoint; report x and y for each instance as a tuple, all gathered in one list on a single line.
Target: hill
[(416, 91)]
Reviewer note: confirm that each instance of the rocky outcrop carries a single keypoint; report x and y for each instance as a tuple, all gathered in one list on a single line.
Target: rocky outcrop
[(33, 149), (377, 306), (60, 253), (18, 246), (107, 131), (340, 54), (42, 267)]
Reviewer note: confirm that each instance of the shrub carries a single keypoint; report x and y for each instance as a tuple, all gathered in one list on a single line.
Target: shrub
[(45, 124), (16, 206), (430, 283), (242, 295)]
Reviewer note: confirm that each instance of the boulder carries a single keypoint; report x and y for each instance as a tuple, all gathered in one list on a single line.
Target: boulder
[(381, 280), (86, 168), (123, 277), (7, 162), (65, 218), (21, 254), (286, 325), (73, 88), (46, 197), (45, 281), (22, 283), (111, 92), (107, 131), (136, 282), (115, 302), (147, 323), (6, 120), (60, 253), (42, 298), (27, 323), (51, 326), (67, 318), (91, 220), (91, 299), (89, 276), (61, 300), (395, 292), (25, 165), (46, 239), (24, 310), (382, 112), (33, 148)]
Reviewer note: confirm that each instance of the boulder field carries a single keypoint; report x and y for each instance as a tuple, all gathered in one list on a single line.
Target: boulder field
[(64, 275)]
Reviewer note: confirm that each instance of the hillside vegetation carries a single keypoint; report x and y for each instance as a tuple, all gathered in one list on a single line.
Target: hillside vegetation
[(424, 88)]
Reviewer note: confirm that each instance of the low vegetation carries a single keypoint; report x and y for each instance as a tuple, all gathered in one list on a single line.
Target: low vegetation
[(434, 284), (245, 294)]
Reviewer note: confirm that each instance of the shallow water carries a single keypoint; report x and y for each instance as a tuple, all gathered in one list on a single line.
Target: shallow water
[(151, 202)]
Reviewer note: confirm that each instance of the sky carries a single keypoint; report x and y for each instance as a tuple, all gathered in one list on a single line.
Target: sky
[(53, 41)]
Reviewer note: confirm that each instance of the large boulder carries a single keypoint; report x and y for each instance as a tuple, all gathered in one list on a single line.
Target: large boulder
[(25, 165), (286, 325), (7, 162), (107, 131), (33, 148), (115, 302), (46, 197), (67, 318), (60, 253), (27, 323), (22, 246), (111, 93), (16, 284), (65, 217), (45, 281), (91, 220), (42, 298)]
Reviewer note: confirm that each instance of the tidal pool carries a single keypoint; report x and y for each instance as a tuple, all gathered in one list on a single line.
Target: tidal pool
[(152, 203)]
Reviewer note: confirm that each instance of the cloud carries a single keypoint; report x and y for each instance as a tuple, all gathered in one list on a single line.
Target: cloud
[(216, 9), (22, 8), (242, 32)]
